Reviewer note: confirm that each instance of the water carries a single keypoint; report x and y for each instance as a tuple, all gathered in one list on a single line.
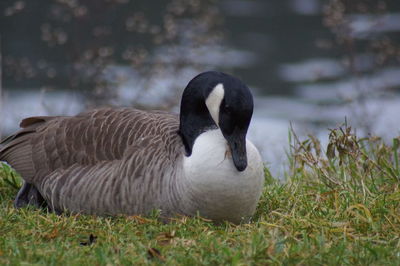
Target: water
[(279, 48), (300, 79)]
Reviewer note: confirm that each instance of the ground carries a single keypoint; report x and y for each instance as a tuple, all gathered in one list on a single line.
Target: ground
[(338, 205)]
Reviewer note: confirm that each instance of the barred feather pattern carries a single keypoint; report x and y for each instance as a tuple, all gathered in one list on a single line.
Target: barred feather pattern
[(105, 162)]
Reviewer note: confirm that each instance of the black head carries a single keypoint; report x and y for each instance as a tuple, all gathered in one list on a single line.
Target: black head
[(214, 99)]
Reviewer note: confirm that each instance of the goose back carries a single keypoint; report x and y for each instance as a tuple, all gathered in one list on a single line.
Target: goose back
[(106, 161)]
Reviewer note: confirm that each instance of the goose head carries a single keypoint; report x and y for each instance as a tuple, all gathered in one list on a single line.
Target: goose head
[(215, 100)]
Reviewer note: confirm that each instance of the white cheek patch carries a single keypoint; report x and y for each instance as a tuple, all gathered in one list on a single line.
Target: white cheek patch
[(214, 100)]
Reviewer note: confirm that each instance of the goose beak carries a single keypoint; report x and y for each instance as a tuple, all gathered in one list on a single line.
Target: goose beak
[(237, 144)]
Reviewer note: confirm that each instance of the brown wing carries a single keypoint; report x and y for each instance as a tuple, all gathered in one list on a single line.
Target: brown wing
[(47, 144), (132, 185)]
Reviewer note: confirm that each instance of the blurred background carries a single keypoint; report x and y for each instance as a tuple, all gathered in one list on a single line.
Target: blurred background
[(311, 64)]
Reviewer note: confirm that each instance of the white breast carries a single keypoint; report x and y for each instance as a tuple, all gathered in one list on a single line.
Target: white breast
[(215, 186)]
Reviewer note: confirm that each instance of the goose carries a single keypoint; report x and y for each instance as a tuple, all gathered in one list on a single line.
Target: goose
[(124, 161)]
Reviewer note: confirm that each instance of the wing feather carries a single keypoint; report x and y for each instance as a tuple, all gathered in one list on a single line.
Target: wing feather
[(47, 144)]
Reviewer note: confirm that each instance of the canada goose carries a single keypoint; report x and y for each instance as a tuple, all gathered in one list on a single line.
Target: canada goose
[(126, 161)]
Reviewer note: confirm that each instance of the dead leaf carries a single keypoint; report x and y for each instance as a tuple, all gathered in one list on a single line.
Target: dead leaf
[(165, 238), (154, 253)]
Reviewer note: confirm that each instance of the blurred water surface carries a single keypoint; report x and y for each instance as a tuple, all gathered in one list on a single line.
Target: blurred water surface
[(282, 50)]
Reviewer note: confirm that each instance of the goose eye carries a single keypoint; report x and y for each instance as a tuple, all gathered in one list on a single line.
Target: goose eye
[(228, 109)]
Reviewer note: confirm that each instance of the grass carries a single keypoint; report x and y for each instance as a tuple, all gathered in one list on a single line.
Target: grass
[(339, 205)]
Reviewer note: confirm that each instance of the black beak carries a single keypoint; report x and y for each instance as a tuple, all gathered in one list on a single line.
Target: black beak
[(237, 144)]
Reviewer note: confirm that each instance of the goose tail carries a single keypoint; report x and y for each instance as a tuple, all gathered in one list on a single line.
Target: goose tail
[(16, 148), (16, 152)]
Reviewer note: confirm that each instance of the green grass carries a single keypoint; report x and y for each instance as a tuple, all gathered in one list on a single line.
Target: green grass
[(343, 208)]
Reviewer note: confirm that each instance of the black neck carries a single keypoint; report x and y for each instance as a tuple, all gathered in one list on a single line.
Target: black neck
[(194, 116)]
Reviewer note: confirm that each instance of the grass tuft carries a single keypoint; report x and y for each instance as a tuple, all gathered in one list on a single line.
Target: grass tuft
[(338, 205)]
